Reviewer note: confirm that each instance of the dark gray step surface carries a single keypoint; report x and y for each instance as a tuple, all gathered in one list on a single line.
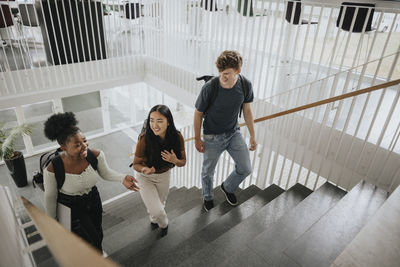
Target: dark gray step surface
[(378, 243), (132, 198), (123, 233), (123, 207), (244, 256), (42, 255), (327, 238), (127, 201), (48, 263), (215, 229), (225, 246), (131, 213), (32, 235), (293, 224), (181, 228)]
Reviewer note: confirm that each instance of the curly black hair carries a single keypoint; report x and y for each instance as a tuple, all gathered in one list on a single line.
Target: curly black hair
[(60, 126)]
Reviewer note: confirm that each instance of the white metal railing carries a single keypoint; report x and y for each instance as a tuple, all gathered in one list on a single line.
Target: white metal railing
[(15, 249), (67, 248), (278, 53), (81, 43), (61, 44), (311, 147)]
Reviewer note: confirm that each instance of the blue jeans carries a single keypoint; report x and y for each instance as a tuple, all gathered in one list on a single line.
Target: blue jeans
[(214, 145)]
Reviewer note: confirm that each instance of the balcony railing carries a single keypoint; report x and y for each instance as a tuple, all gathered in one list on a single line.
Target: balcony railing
[(285, 44)]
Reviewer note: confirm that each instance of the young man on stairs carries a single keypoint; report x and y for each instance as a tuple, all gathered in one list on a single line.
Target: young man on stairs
[(220, 101)]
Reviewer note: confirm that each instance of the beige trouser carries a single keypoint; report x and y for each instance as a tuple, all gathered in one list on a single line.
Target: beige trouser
[(154, 190)]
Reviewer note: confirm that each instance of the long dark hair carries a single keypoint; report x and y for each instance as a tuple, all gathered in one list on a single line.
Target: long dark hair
[(154, 144)]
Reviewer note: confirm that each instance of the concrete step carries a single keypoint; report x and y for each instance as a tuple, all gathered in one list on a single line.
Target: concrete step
[(120, 235), (225, 246), (181, 228), (293, 224), (327, 238), (215, 229)]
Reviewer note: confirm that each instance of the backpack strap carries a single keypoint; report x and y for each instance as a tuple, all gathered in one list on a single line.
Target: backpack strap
[(245, 87), (205, 78), (41, 160), (49, 155), (92, 159), (59, 171), (214, 92)]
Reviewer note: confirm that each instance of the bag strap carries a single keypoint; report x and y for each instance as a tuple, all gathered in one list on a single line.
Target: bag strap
[(92, 159), (214, 90), (245, 87), (41, 160), (214, 93), (205, 78), (48, 156), (59, 171)]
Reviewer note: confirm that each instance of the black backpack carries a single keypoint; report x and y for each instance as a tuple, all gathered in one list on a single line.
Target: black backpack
[(55, 158), (214, 90)]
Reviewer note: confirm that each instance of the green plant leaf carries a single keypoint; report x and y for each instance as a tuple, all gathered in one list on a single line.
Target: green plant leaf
[(7, 141)]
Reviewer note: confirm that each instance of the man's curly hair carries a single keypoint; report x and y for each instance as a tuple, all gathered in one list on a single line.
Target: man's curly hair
[(229, 59)]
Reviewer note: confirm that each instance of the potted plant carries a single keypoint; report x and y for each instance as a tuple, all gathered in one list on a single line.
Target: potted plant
[(14, 159)]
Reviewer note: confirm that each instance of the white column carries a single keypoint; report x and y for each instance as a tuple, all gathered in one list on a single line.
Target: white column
[(105, 111), (57, 106)]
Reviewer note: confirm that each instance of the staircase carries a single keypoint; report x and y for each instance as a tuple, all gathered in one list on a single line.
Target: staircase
[(270, 227)]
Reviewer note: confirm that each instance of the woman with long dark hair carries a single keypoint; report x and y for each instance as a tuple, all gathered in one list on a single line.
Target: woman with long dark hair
[(80, 168), (160, 148)]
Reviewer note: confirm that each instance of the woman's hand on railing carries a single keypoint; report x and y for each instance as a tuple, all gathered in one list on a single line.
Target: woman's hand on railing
[(199, 145), (130, 183)]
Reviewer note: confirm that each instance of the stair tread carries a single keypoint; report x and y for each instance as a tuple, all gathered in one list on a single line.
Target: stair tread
[(295, 222), (41, 255), (112, 218), (123, 233), (384, 230), (226, 245), (51, 262), (327, 238), (130, 199), (212, 231), (182, 227), (244, 256)]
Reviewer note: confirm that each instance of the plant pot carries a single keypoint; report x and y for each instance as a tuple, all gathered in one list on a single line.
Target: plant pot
[(17, 169)]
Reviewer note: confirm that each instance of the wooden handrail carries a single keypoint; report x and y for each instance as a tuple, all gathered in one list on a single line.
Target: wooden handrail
[(321, 102), (66, 247), (328, 100)]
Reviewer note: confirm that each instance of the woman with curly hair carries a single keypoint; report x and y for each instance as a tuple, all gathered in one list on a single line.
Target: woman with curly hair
[(158, 150), (82, 168)]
